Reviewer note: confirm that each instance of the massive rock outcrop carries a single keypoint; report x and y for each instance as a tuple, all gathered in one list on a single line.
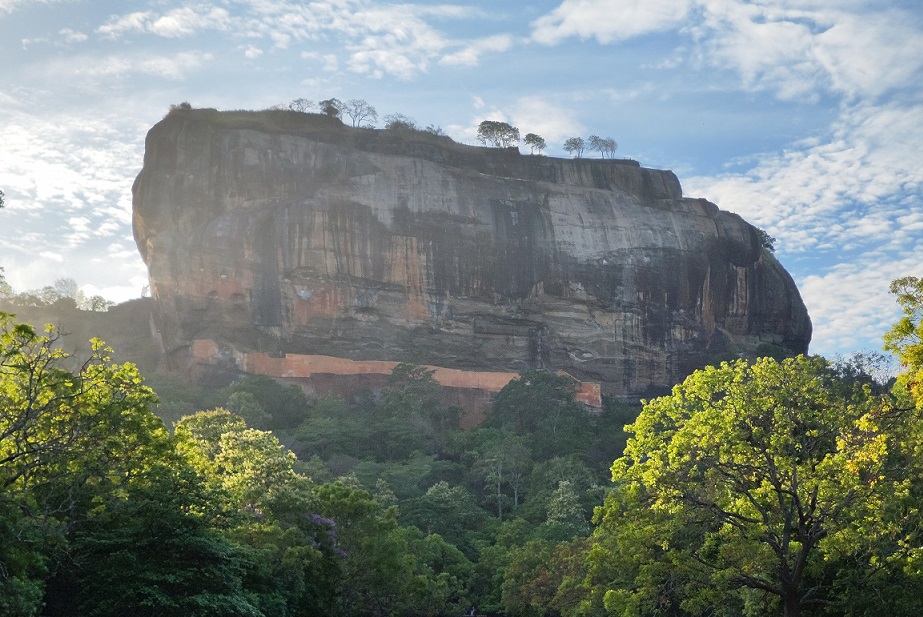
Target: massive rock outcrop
[(286, 233)]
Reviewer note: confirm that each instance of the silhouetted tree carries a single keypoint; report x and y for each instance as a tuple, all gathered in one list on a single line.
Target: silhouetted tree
[(536, 142), (301, 105), (359, 110), (498, 134), (575, 146), (331, 107)]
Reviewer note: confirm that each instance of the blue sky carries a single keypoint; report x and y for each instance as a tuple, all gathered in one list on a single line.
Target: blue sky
[(803, 116)]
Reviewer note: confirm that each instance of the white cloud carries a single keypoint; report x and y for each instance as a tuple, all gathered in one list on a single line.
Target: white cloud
[(795, 49), (66, 179), (175, 67), (381, 39), (72, 36), (806, 50), (529, 114), (838, 192), (609, 20), (330, 62), (117, 26), (252, 52), (11, 5), (470, 54), (180, 22), (852, 198), (850, 302), (553, 122)]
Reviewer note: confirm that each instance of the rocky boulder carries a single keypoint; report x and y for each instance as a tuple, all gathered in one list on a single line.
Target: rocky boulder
[(287, 233)]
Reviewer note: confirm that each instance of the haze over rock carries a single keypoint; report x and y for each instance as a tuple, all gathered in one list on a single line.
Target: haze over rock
[(287, 233)]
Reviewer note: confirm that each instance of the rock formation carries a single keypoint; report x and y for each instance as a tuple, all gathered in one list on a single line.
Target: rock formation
[(286, 233)]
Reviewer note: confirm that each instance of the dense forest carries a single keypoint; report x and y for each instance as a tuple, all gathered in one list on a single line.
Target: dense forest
[(768, 487)]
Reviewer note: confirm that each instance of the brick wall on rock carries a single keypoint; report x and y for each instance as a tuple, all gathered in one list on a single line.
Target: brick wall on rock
[(472, 391)]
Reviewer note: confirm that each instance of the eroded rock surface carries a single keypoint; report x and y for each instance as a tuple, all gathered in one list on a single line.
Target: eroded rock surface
[(281, 232)]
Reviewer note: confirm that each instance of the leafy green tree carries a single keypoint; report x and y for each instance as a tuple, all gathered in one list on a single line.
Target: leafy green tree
[(498, 134), (59, 427), (152, 552), (545, 480), (749, 481), (399, 122), (72, 443), (505, 463), (575, 146), (331, 430), (412, 416), (376, 569), (541, 405), (565, 512), (536, 142), (451, 512), (23, 563), (245, 405), (905, 339), (287, 405), (242, 463), (766, 241), (442, 577)]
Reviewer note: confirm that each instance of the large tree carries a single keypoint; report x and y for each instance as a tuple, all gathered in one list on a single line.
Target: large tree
[(536, 142), (767, 485), (606, 146), (359, 111), (498, 134), (331, 107), (575, 146), (905, 339)]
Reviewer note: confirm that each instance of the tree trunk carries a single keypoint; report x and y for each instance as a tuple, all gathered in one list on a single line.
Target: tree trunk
[(792, 606)]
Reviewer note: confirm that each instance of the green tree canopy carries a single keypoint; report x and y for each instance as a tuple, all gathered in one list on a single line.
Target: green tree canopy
[(536, 142), (749, 482), (541, 404), (498, 134), (905, 339)]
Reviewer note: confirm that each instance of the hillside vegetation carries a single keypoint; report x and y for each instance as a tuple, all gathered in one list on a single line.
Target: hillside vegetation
[(779, 487)]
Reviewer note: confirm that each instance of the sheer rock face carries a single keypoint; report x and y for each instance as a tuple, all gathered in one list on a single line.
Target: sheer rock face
[(290, 233)]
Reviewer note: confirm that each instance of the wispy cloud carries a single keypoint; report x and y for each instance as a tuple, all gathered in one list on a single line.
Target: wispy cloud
[(8, 6), (853, 197), (835, 191), (379, 39), (470, 55), (81, 67), (65, 184), (609, 20), (850, 303), (176, 23), (554, 122), (803, 49)]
